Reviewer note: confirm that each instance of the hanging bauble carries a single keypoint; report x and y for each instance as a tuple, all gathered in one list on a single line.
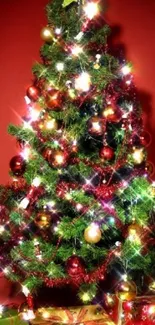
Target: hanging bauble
[(95, 126), (149, 167), (47, 153), (92, 234), (54, 100), (126, 291), (17, 165), (47, 35), (145, 138), (75, 266), (106, 153), (42, 220), (111, 114), (59, 158), (33, 93), (138, 155)]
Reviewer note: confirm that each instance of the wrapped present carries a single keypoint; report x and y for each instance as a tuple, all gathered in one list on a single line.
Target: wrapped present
[(88, 315), (10, 317)]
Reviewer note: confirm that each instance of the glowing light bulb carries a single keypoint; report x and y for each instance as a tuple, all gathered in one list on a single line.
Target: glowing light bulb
[(26, 153), (36, 182), (58, 31), (96, 126), (151, 310), (2, 229), (85, 297), (83, 82), (45, 314), (59, 159), (50, 125), (126, 69), (138, 155), (6, 270), (60, 66), (28, 315), (91, 10), (76, 50), (34, 114)]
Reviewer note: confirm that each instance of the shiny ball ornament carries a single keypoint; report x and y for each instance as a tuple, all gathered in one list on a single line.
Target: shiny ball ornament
[(43, 220), (92, 234), (126, 291), (111, 114), (58, 159), (106, 153), (17, 165), (138, 155), (75, 266), (54, 100), (145, 138), (47, 35), (95, 126), (110, 300), (33, 93)]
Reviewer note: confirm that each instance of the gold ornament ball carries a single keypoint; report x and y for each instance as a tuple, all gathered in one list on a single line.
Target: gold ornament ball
[(47, 35), (126, 291), (92, 234), (43, 220)]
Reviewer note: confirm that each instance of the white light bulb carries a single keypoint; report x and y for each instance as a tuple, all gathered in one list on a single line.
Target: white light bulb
[(126, 70), (58, 31), (34, 114), (79, 36), (28, 315), (6, 270), (1, 309), (36, 182), (83, 82), (60, 66), (91, 10), (2, 229), (76, 50), (27, 100), (26, 153)]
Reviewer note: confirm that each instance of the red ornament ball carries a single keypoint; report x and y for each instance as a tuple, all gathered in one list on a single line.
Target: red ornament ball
[(106, 153), (75, 266), (33, 93), (58, 158), (95, 126), (145, 138), (54, 100), (17, 165)]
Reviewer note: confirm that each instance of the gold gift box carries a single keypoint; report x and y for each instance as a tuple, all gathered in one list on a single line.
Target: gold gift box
[(89, 315)]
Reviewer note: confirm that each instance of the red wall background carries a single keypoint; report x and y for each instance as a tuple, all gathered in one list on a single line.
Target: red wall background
[(20, 24)]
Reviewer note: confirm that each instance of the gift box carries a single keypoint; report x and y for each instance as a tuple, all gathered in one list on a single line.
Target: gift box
[(11, 317), (88, 315)]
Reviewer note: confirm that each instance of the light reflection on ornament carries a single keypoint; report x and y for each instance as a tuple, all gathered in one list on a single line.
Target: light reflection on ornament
[(83, 82), (92, 234), (91, 10), (36, 182), (138, 155)]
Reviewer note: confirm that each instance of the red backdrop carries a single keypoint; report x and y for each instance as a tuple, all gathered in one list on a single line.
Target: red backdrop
[(20, 24)]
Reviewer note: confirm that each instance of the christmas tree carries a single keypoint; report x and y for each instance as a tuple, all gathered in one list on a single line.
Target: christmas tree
[(81, 202)]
